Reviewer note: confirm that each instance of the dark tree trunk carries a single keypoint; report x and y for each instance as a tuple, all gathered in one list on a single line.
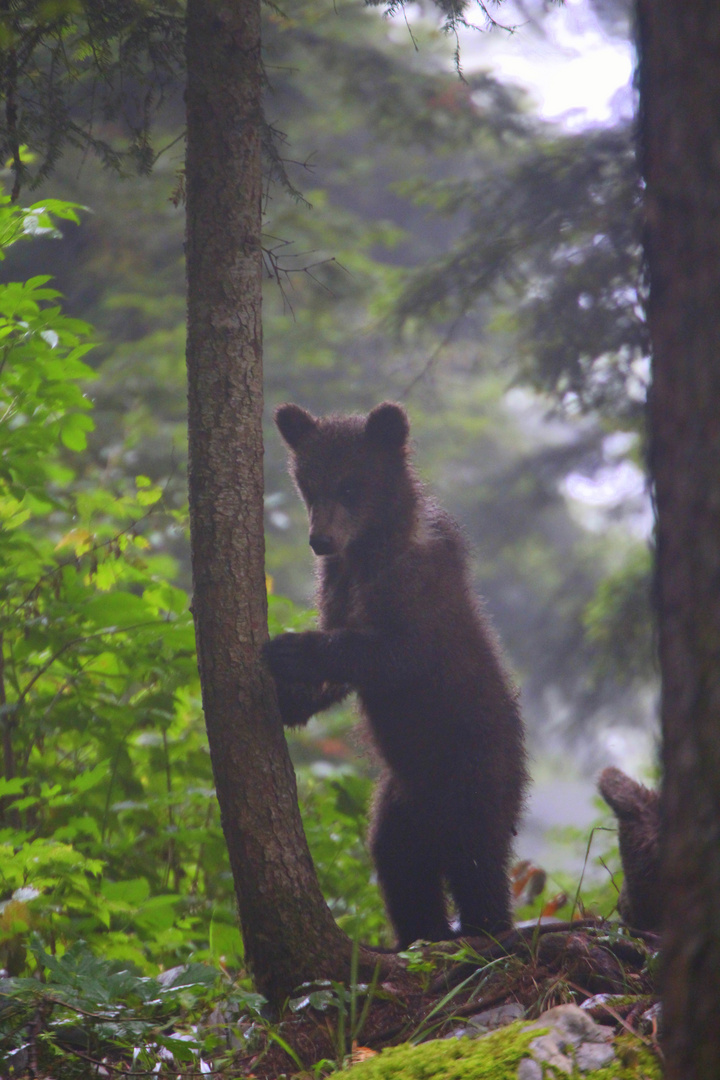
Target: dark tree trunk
[(680, 102), (289, 933)]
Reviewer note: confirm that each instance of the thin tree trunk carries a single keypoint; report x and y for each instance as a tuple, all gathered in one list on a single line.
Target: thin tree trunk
[(680, 100), (289, 933)]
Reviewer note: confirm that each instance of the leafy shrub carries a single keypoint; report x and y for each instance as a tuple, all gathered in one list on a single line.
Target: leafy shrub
[(109, 828), (335, 818), (108, 824)]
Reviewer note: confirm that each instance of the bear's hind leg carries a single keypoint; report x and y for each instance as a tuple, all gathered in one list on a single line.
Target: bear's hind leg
[(479, 885), (411, 885)]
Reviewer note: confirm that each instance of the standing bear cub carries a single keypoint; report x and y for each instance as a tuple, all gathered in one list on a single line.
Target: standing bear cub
[(399, 625)]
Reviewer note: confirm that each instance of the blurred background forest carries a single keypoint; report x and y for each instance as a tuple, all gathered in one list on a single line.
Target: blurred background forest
[(434, 240)]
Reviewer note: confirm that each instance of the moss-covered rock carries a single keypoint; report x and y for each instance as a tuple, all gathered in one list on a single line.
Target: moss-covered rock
[(491, 1057), (498, 1056)]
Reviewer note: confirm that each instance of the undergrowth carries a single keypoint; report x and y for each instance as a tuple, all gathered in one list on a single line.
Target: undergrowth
[(119, 946)]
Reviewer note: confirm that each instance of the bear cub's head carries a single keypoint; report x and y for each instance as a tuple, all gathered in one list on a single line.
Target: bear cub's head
[(352, 473)]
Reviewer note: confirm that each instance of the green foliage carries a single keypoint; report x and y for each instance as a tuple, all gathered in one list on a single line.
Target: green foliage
[(554, 238), (335, 818), (595, 891), (382, 115), (108, 826), (283, 615), (78, 1010), (109, 830), (68, 63), (93, 74), (350, 1005), (619, 620), (32, 221)]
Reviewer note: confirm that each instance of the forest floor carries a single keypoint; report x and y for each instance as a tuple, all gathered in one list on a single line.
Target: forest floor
[(86, 1018), (475, 987)]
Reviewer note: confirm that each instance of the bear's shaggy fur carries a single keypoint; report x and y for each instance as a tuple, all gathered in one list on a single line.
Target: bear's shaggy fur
[(399, 624)]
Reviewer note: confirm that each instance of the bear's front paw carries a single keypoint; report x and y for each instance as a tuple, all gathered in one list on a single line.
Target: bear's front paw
[(295, 701), (295, 657)]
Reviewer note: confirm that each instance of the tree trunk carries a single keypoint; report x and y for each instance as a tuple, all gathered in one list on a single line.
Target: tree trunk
[(289, 933), (680, 101)]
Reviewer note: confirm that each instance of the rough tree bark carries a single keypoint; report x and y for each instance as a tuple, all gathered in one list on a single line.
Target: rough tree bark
[(680, 101), (289, 933)]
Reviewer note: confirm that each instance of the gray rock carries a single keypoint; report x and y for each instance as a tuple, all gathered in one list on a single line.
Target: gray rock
[(573, 1025), (549, 1048), (528, 1069), (495, 1018), (590, 1056), (573, 1041)]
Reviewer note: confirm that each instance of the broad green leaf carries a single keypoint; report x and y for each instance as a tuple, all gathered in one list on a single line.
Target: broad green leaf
[(73, 431), (14, 786), (118, 609), (132, 892)]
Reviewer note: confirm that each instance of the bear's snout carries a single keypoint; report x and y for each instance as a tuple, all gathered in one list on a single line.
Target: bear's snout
[(322, 544)]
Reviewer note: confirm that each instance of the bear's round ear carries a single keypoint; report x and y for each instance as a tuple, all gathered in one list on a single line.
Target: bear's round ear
[(387, 426), (294, 424), (625, 796)]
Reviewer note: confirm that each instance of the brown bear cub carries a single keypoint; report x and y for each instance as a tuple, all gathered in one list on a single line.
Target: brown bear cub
[(638, 812), (399, 625)]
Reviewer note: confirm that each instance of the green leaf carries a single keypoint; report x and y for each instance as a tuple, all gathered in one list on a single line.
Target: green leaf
[(90, 778), (73, 429), (149, 497), (118, 609), (131, 893), (14, 786), (157, 913), (182, 1050)]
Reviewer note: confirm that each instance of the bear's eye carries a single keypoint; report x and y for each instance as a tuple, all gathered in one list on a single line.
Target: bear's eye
[(348, 494)]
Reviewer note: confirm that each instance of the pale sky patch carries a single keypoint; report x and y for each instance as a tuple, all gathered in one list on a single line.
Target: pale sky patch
[(574, 73)]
